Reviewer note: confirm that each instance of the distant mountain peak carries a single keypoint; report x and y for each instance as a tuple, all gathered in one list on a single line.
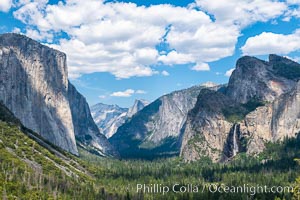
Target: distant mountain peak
[(138, 105), (109, 117), (106, 106)]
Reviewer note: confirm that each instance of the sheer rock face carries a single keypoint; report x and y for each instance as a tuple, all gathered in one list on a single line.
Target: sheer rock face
[(273, 122), (205, 130), (34, 86), (158, 125), (208, 133), (86, 131)]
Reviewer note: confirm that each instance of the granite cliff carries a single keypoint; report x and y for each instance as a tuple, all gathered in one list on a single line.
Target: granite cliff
[(40, 101), (34, 86), (260, 104), (86, 131)]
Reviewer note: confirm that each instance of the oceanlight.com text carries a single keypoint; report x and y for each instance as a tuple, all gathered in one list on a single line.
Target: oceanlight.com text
[(212, 188)]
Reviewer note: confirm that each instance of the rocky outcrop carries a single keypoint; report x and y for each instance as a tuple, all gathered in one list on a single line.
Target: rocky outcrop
[(257, 78), (34, 86), (260, 104), (86, 131), (155, 130)]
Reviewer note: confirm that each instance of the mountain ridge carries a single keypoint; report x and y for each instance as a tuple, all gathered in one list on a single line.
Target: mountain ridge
[(258, 105), (155, 130)]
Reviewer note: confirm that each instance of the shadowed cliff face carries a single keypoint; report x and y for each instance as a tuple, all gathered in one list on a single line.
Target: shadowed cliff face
[(34, 86), (86, 131), (260, 104)]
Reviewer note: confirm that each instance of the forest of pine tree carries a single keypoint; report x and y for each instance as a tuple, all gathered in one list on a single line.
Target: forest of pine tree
[(31, 171)]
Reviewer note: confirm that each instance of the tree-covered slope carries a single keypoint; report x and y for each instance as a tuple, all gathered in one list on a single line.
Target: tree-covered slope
[(32, 168)]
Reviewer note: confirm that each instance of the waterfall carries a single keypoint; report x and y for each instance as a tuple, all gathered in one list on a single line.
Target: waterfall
[(235, 149)]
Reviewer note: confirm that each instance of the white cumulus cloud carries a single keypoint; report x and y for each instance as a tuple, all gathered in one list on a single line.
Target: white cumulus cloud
[(5, 5), (268, 42), (243, 13), (127, 93), (201, 67), (229, 72), (165, 73), (122, 38), (174, 57)]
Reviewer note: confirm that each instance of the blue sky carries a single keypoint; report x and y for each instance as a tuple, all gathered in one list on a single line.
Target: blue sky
[(119, 51)]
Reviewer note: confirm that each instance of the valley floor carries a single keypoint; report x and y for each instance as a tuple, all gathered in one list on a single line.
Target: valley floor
[(30, 171)]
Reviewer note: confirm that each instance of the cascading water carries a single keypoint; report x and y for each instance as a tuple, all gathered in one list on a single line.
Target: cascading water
[(235, 149)]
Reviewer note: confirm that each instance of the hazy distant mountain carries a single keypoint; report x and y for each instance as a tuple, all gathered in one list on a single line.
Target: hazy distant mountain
[(110, 117)]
